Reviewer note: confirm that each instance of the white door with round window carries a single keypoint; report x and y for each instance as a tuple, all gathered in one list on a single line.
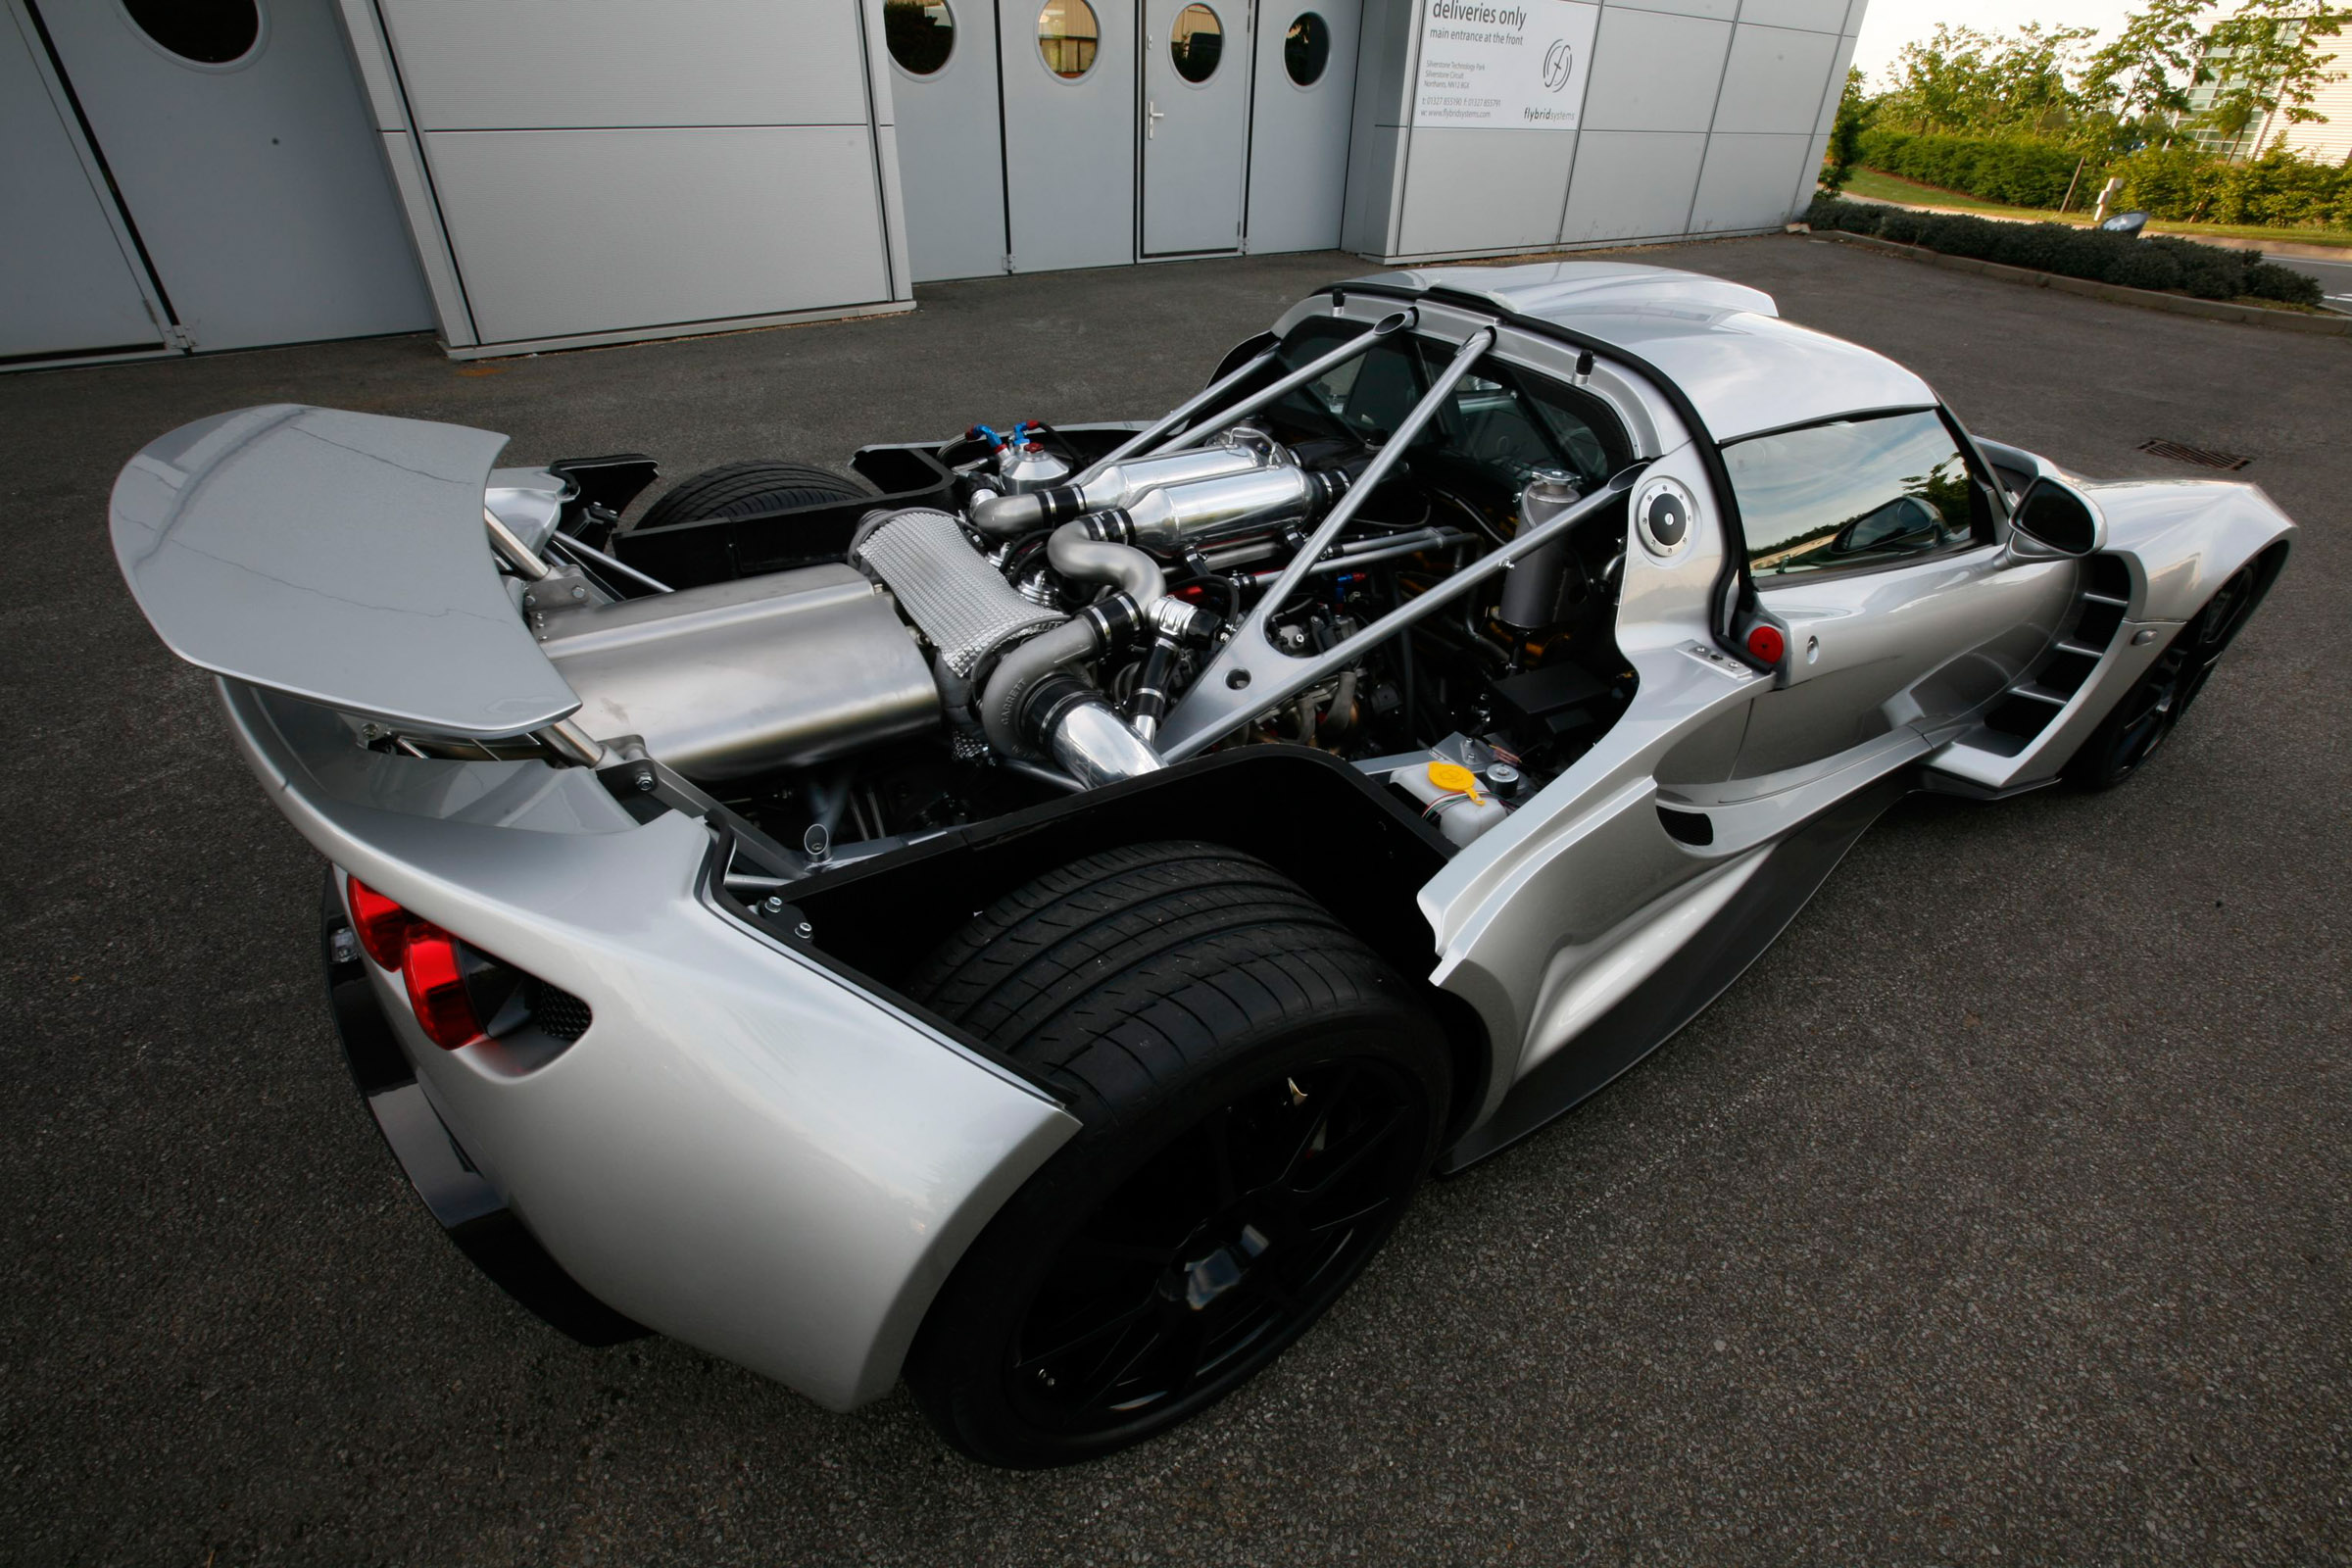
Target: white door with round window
[(1299, 119), (1069, 154), (942, 87), (1196, 125), (242, 151)]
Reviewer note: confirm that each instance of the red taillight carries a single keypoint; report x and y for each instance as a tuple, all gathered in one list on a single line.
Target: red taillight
[(427, 959), (436, 986), (382, 925)]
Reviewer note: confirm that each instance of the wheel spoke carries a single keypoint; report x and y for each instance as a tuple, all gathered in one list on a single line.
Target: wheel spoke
[(1359, 1213), (1107, 1251), (1103, 1330), (1219, 1131), (1184, 1341), (1367, 1142), (1317, 1127), (1115, 1367), (1274, 1196)]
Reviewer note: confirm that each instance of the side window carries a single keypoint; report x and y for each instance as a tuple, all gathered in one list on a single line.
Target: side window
[(1855, 493)]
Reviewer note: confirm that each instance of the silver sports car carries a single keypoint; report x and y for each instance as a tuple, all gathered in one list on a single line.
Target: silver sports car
[(1024, 915)]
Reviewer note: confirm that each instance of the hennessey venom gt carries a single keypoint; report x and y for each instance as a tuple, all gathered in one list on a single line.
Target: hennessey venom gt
[(1024, 915)]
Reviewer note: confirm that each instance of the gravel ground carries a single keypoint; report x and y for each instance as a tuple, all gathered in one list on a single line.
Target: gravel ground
[(1999, 1213)]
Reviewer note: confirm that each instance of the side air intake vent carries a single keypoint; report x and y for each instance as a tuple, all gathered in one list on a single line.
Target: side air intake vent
[(2101, 599)]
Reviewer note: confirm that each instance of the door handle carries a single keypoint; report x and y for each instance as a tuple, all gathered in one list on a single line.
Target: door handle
[(1151, 124)]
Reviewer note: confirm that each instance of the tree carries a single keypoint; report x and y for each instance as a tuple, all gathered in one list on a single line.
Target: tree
[(1960, 79), (1846, 133), (2141, 81), (1938, 84), (2269, 61), (2026, 78)]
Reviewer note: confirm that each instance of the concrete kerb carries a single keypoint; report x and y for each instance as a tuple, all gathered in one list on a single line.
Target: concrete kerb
[(2114, 293)]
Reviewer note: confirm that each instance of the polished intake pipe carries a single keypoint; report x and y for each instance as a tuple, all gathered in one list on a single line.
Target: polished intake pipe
[(1182, 516), (1003, 516), (1075, 724), (1075, 552)]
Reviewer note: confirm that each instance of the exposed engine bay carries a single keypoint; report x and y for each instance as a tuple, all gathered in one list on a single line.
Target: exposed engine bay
[(1420, 546)]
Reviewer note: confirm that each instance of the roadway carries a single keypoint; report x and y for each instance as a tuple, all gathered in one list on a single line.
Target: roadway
[(2336, 278)]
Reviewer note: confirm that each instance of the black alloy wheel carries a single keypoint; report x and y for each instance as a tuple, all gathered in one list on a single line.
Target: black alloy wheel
[(1234, 1236), (2147, 714), (1257, 1094)]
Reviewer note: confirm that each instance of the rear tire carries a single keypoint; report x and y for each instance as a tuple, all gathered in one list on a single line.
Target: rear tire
[(740, 489), (1260, 1095), (2145, 716)]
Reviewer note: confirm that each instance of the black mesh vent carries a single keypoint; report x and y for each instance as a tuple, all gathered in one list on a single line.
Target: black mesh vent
[(558, 1013), (2202, 456)]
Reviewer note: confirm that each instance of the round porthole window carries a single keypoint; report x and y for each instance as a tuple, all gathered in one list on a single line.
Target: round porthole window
[(202, 33), (1307, 49), (1196, 42), (1068, 36), (921, 35)]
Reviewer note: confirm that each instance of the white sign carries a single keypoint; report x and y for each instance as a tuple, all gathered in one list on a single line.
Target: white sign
[(1517, 64)]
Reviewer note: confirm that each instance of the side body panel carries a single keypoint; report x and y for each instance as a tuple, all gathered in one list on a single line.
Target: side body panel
[(743, 1151), (2184, 537), (1872, 651), (1565, 888)]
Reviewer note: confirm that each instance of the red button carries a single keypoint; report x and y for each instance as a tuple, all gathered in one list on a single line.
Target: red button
[(1765, 643)]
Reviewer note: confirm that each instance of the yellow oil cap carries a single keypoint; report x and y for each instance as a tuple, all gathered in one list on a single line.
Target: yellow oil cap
[(1455, 779)]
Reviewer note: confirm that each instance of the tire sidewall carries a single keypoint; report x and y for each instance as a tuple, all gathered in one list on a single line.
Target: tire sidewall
[(762, 482), (960, 1359)]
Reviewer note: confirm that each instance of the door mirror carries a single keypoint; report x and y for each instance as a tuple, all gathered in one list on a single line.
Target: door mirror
[(2056, 517)]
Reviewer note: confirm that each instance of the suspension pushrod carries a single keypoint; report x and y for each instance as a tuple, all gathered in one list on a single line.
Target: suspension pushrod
[(1215, 705), (1393, 322), (589, 553), (513, 550)]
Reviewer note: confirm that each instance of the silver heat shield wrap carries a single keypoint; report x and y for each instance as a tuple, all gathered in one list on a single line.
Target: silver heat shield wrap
[(951, 594)]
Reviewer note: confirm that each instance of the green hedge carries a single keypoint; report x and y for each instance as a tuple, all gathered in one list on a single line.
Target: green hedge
[(2207, 271), (2277, 189), (2012, 170), (2180, 184)]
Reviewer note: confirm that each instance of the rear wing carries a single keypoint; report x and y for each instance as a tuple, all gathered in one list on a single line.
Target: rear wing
[(335, 557)]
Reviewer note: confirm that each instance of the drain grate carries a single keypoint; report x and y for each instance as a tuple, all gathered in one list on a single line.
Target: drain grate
[(2202, 456)]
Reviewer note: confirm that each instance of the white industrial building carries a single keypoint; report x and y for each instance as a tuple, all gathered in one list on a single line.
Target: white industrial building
[(519, 174)]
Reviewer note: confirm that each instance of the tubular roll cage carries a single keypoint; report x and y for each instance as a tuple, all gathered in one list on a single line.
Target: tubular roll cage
[(1247, 673)]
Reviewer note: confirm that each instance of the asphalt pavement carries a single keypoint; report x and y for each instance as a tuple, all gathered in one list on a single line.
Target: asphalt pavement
[(2336, 278), (2000, 1214)]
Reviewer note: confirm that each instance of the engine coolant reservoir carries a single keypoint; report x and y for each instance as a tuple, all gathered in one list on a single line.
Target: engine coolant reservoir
[(1453, 797), (1029, 467)]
